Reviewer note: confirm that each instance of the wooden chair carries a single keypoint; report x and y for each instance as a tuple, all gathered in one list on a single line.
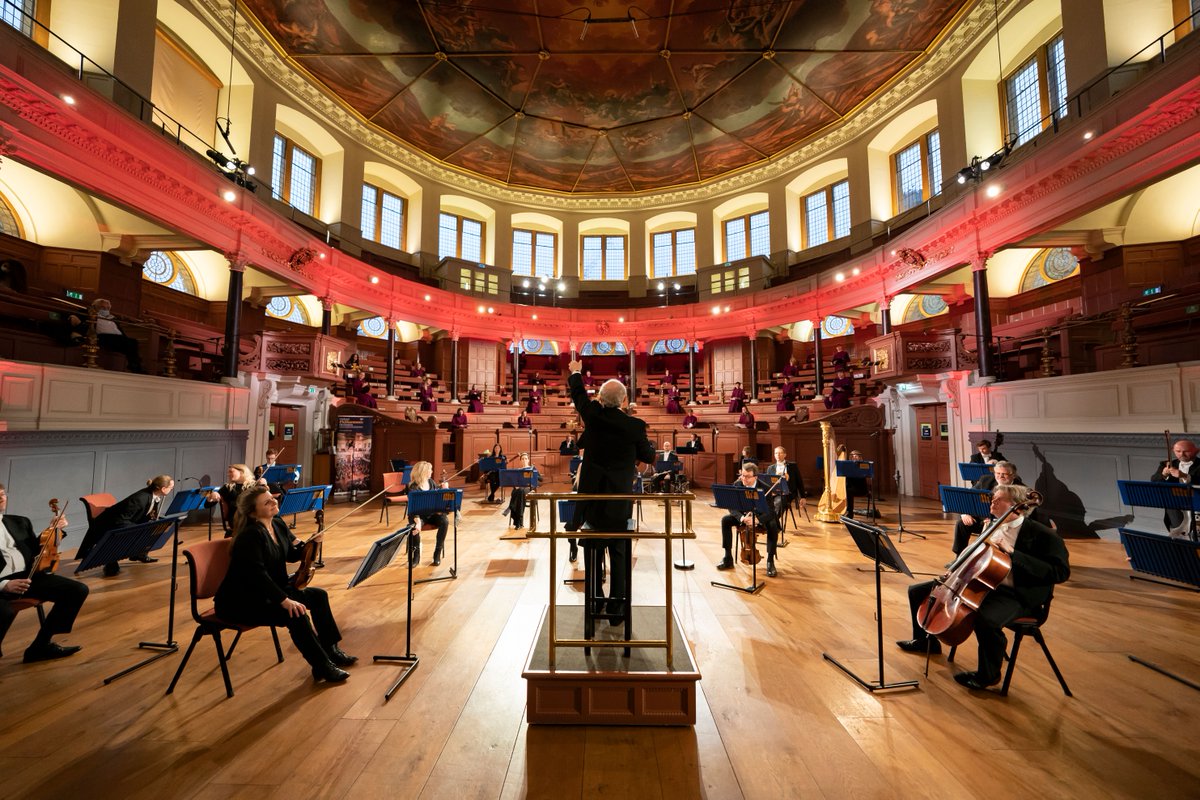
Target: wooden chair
[(94, 504), (1022, 627), (207, 564), (396, 493)]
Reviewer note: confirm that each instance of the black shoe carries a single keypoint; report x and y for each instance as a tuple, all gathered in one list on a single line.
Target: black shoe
[(112, 570), (339, 657), (491, 498), (725, 563), (973, 680), (329, 673), (933, 646), (574, 554), (49, 651), (437, 557), (771, 573), (144, 558)]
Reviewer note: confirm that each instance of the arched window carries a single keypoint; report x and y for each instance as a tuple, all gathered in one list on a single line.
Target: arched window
[(536, 347), (666, 346), (603, 349), (374, 327), (167, 269), (9, 224), (287, 308), (832, 327), (924, 306), (1048, 266)]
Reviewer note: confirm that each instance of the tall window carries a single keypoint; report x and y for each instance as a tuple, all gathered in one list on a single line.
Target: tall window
[(748, 236), (18, 14), (674, 253), (382, 216), (297, 173), (460, 237), (917, 172), (534, 253), (827, 214), (1035, 92), (604, 258), (9, 224)]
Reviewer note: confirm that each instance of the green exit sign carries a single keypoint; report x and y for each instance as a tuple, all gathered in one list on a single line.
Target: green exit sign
[(1192, 309), (74, 295), (1153, 290)]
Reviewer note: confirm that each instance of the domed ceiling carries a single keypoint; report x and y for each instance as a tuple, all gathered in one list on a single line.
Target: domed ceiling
[(604, 97)]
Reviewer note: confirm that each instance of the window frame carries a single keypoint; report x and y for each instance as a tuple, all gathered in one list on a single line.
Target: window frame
[(830, 214), (458, 237), (533, 254), (1042, 58), (674, 265), (604, 237), (748, 235), (282, 188), (377, 237), (925, 161)]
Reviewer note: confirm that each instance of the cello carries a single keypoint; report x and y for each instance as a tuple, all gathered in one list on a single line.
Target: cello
[(949, 613), (47, 557)]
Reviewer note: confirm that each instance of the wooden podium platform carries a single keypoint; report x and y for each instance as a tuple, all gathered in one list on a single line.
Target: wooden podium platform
[(606, 687)]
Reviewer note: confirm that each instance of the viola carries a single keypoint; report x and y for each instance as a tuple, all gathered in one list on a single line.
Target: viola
[(310, 555), (47, 557), (949, 613)]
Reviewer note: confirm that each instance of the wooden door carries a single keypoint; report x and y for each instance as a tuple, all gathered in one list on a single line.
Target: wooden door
[(481, 365), (283, 435), (933, 449), (727, 365)]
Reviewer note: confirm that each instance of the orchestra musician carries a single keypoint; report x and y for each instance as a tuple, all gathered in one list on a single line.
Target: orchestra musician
[(19, 547), (693, 445), (795, 491), (855, 486), (516, 501), (748, 477), (493, 477), (141, 506), (238, 478), (256, 590), (1181, 468), (1039, 561), (1004, 473), (985, 454), (569, 446), (660, 481), (422, 481)]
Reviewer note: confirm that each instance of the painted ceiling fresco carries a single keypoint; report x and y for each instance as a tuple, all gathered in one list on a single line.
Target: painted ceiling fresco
[(601, 96)]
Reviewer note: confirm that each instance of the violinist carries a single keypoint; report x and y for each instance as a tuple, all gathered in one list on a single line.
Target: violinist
[(238, 478), (256, 591), (422, 481), (19, 548), (1039, 561), (1182, 469), (143, 505), (516, 501), (493, 477), (748, 477)]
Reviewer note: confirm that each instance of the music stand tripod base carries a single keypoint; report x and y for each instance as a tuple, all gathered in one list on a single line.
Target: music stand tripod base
[(870, 686)]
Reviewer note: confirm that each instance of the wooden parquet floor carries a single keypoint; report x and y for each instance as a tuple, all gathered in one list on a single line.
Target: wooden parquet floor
[(774, 719)]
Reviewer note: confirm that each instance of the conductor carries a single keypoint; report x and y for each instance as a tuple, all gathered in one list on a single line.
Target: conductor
[(617, 442)]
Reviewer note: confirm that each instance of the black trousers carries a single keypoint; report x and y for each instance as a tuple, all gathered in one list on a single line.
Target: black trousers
[(124, 345), (312, 643), (963, 534), (998, 608), (730, 521), (443, 524), (67, 596)]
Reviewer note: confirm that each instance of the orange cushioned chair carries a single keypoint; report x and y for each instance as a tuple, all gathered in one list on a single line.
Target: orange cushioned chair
[(93, 504), (207, 564), (394, 492)]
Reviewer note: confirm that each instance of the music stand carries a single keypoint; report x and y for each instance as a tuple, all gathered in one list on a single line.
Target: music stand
[(1163, 494), (132, 540), (781, 491), (862, 470), (438, 501), (740, 499), (874, 543), (957, 500), (526, 477), (492, 464), (303, 498), (188, 500), (972, 471), (398, 464), (380, 554)]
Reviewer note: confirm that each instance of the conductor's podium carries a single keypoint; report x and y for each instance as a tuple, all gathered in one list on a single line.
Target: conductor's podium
[(572, 680)]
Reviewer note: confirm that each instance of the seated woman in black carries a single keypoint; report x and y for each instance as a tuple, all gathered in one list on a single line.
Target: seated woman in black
[(516, 501), (493, 477), (256, 590), (422, 481), (238, 478)]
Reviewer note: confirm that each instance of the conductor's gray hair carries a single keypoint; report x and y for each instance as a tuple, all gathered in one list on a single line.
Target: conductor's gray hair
[(612, 394)]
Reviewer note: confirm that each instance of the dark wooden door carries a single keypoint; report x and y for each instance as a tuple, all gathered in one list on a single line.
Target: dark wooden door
[(933, 449)]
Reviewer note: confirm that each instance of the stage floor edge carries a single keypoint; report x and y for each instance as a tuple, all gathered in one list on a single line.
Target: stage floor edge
[(605, 687)]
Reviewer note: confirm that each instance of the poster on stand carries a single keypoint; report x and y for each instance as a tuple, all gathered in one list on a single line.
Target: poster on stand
[(352, 454)]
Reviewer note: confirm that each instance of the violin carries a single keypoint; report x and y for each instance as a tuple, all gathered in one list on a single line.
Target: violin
[(310, 555), (949, 614), (47, 557)]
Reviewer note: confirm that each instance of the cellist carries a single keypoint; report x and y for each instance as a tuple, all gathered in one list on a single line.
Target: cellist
[(1039, 561), (18, 548)]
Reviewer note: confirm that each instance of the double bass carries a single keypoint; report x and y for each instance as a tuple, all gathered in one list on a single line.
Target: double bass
[(949, 613)]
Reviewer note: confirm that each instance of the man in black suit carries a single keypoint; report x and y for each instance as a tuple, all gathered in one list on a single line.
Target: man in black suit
[(795, 486), (1004, 473), (748, 477), (666, 456), (1181, 469), (1039, 561), (141, 506), (18, 549), (614, 442), (985, 454), (568, 446)]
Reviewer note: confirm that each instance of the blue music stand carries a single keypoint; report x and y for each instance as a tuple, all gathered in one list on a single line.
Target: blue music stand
[(398, 464), (438, 501), (525, 477), (739, 500), (131, 540), (493, 464), (957, 500), (972, 471), (188, 500), (1163, 494), (380, 554), (282, 473), (862, 470), (305, 498)]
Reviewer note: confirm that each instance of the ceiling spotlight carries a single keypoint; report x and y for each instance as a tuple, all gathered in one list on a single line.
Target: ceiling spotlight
[(491, 310), (620, 319), (229, 195), (525, 283), (1088, 135), (541, 287), (249, 170), (893, 252), (855, 271), (481, 309), (374, 279), (985, 165), (534, 316), (68, 99), (427, 298), (661, 286), (962, 178), (675, 287), (726, 309), (562, 287), (993, 191), (320, 255), (716, 309), (841, 276)]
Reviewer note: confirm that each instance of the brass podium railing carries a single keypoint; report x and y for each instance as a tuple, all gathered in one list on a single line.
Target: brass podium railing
[(667, 535)]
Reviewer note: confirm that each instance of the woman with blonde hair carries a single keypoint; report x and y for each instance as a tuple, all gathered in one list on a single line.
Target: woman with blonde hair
[(422, 481), (256, 590)]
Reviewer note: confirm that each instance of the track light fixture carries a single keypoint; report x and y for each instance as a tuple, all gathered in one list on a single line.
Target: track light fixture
[(974, 171)]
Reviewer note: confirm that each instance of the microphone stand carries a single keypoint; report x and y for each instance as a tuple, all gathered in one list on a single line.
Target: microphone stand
[(900, 514)]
